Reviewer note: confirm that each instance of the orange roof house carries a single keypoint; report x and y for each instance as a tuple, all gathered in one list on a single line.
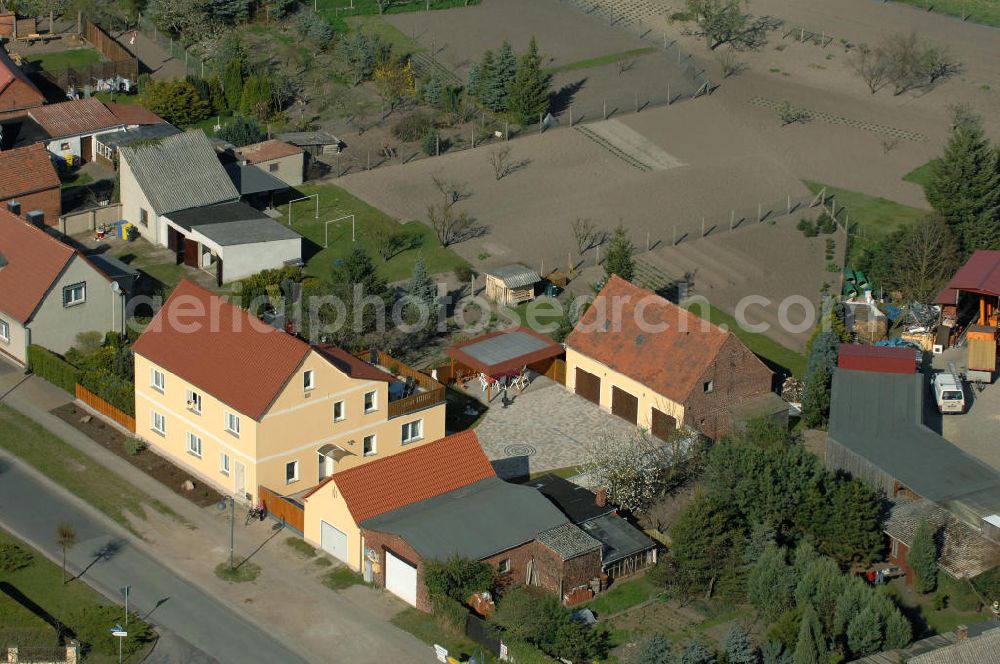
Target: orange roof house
[(658, 365), (49, 292), (28, 177), (72, 126), (282, 160), (249, 407)]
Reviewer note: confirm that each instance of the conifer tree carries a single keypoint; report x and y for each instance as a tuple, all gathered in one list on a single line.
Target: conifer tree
[(529, 91)]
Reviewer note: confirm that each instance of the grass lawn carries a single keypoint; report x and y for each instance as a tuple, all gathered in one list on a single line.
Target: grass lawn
[(623, 595), (764, 346), (390, 34), (921, 612), (74, 604), (208, 124), (72, 469), (986, 12), (921, 174), (75, 179), (602, 60), (541, 314), (243, 572), (342, 578), (116, 98), (871, 217), (168, 274), (63, 60), (425, 627), (334, 202)]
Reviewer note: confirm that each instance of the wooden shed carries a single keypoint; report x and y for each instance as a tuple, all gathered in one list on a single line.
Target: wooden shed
[(511, 284)]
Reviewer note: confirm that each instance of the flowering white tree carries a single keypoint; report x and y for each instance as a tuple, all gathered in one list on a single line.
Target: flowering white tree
[(633, 468)]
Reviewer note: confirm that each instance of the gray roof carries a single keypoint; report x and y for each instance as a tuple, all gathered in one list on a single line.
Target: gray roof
[(116, 139), (111, 266), (180, 172), (251, 179), (504, 347), (515, 276), (879, 416), (964, 552), (232, 223), (619, 538), (937, 649), (302, 138), (578, 503), (476, 521), (568, 541), (215, 214), (972, 650)]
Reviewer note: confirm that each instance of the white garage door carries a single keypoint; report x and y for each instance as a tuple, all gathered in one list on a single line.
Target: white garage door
[(401, 578), (333, 541)]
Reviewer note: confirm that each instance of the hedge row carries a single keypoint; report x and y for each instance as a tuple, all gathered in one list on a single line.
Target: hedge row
[(117, 392), (46, 364)]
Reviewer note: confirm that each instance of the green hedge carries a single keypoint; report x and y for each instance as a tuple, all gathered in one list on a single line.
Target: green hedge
[(117, 392), (46, 364)]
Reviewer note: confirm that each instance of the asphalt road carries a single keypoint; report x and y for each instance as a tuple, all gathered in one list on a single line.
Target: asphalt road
[(195, 627)]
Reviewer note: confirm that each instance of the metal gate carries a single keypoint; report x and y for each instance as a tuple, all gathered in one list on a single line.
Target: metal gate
[(401, 578), (333, 541)]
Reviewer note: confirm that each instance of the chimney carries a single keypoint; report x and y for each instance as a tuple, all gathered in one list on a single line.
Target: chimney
[(601, 497), (962, 632), (14, 208)]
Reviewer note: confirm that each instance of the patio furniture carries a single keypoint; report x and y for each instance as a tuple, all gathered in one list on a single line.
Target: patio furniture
[(504, 353)]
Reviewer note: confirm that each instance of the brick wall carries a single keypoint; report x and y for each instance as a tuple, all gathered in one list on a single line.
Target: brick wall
[(48, 201), (736, 375)]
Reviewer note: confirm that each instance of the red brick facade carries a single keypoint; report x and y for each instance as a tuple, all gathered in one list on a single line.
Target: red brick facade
[(48, 201), (736, 375), (897, 556), (554, 574)]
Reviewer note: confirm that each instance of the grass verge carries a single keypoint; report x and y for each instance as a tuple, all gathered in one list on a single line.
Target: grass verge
[(776, 355), (244, 572), (623, 595), (334, 202), (342, 578), (302, 547), (322, 562), (986, 12), (73, 470), (921, 174), (602, 60), (73, 604), (871, 217), (425, 627)]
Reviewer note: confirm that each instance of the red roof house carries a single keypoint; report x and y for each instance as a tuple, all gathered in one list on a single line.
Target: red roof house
[(28, 177), (17, 91)]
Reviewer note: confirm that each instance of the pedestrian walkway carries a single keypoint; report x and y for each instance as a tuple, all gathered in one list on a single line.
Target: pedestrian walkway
[(288, 600)]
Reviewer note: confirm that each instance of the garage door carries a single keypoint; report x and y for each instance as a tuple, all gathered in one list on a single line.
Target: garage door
[(663, 424), (588, 386), (401, 578), (333, 541), (624, 405)]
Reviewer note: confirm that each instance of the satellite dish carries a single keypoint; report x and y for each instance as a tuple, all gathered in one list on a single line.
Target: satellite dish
[(115, 287)]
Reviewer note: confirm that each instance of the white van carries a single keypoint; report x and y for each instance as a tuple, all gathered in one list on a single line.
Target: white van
[(948, 392)]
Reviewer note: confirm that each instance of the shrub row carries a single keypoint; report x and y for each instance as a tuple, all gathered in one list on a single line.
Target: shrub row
[(117, 392), (46, 364)]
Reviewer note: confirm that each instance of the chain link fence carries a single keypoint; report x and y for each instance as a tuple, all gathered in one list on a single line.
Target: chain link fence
[(195, 64)]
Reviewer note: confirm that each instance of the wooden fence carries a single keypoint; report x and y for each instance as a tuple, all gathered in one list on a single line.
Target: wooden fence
[(289, 511), (119, 61), (553, 369), (105, 43), (433, 392), (104, 408)]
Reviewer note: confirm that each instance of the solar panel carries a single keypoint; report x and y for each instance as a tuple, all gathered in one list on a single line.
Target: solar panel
[(504, 347)]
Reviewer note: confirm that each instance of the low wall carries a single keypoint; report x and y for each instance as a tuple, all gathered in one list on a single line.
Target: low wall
[(87, 221)]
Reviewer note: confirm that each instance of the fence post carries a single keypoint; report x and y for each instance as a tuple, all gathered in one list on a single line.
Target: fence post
[(788, 205), (703, 226), (636, 101), (759, 210), (605, 108), (674, 243), (732, 219)]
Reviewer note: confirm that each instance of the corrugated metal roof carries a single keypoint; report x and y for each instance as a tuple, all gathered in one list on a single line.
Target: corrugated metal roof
[(568, 541), (505, 350), (75, 117), (117, 139), (972, 650), (980, 274), (475, 521), (516, 276), (180, 172)]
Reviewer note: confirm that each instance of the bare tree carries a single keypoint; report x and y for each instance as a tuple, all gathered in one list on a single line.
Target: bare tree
[(625, 64), (450, 227), (66, 539), (500, 161), (872, 65), (730, 64), (584, 233), (453, 191), (937, 64), (388, 241), (925, 258)]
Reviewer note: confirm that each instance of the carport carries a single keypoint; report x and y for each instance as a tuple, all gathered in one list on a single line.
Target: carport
[(503, 354)]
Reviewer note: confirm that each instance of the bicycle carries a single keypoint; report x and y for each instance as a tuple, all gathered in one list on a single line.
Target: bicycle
[(258, 512)]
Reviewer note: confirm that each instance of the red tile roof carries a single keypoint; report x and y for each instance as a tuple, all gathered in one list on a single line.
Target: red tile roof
[(268, 150), (9, 72), (222, 349), (71, 118), (408, 477), (134, 114), (26, 170), (350, 365), (669, 360), (34, 260)]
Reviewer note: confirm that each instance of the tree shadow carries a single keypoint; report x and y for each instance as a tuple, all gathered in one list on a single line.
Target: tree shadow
[(104, 553), (561, 99), (63, 633)]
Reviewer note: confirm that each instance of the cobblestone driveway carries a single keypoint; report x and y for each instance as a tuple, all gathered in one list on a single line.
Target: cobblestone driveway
[(546, 427)]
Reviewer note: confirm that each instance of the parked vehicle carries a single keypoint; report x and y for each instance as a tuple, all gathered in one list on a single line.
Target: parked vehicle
[(948, 392)]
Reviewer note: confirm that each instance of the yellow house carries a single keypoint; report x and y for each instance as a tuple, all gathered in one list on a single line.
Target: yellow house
[(246, 406), (336, 507)]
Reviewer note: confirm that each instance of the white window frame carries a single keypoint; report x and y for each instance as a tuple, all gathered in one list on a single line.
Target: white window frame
[(374, 407), (227, 420), (69, 290), (408, 427), (308, 380), (343, 411), (155, 417), (157, 380), (504, 566), (374, 447), (709, 386), (295, 477), (4, 331), (193, 402), (194, 445), (224, 463)]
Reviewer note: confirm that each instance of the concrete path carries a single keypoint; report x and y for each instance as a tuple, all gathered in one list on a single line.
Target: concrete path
[(107, 558), (287, 601)]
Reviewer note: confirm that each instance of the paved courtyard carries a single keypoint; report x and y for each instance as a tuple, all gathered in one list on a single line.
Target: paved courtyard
[(544, 428)]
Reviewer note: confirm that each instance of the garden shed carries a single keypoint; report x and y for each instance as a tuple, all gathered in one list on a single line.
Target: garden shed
[(511, 284)]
